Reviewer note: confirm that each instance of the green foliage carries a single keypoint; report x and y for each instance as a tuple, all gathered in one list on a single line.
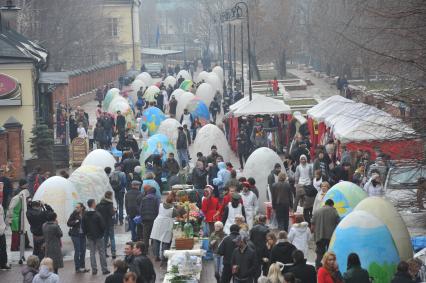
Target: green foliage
[(42, 141), (382, 273)]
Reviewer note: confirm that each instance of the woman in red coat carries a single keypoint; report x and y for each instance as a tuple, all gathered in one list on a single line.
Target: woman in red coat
[(329, 271), (210, 206)]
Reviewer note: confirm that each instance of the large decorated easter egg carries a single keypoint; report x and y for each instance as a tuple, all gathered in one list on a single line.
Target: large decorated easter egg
[(346, 195), (152, 118), (362, 233)]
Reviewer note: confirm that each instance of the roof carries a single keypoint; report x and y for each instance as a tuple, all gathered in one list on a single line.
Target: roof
[(261, 105), (14, 45), (54, 78), (159, 52), (328, 107)]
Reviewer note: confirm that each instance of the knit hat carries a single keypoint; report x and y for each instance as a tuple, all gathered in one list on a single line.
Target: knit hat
[(303, 156)]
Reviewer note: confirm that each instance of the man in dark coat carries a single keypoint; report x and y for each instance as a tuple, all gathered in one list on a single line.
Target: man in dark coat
[(149, 207), (226, 249), (304, 272), (182, 147), (172, 106), (244, 260), (171, 166), (132, 206), (94, 229), (283, 250), (258, 238), (273, 176), (120, 123), (107, 211), (142, 265), (37, 215)]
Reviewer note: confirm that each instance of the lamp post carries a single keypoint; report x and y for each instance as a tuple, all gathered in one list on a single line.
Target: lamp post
[(236, 13), (242, 57)]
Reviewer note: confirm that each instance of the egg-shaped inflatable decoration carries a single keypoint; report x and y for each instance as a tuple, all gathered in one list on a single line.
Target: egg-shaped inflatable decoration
[(267, 158), (151, 93), (362, 233), (121, 104), (214, 81), (183, 101), (219, 72), (135, 86), (110, 95), (145, 77), (170, 81), (199, 110), (100, 158), (157, 144), (346, 195), (177, 93), (184, 74), (90, 182), (186, 85), (202, 76), (206, 93), (152, 118), (62, 196), (386, 212), (169, 128), (210, 135)]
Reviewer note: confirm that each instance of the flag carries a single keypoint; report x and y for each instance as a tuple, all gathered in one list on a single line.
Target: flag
[(157, 36)]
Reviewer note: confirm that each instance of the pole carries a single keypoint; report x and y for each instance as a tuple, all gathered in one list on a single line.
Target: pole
[(230, 73), (235, 57), (249, 50), (223, 56), (242, 58)]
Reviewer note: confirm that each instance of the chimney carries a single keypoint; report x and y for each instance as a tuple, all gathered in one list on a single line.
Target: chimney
[(9, 16)]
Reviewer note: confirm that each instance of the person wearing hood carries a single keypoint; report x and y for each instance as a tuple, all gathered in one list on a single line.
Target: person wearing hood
[(232, 209), (209, 207), (148, 210), (304, 272), (374, 186), (300, 234), (107, 210), (52, 235), (78, 238), (222, 178), (46, 275), (94, 229), (15, 217), (251, 204), (282, 250), (303, 177), (31, 269)]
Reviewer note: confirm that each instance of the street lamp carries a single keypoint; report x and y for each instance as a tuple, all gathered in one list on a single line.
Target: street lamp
[(237, 13)]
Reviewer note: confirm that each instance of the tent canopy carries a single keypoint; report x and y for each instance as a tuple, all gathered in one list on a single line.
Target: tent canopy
[(328, 107), (260, 105)]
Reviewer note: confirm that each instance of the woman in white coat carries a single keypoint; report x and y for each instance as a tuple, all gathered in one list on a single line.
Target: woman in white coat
[(251, 204), (300, 234), (162, 229)]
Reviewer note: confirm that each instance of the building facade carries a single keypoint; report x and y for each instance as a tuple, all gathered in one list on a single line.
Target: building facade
[(122, 20)]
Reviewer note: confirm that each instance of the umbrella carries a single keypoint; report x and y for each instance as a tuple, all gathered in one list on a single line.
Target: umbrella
[(151, 93), (186, 85)]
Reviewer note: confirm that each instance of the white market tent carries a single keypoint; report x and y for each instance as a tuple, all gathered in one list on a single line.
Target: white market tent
[(260, 105), (328, 106)]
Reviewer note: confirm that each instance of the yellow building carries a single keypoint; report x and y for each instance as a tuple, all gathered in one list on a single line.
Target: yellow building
[(122, 18), (20, 63)]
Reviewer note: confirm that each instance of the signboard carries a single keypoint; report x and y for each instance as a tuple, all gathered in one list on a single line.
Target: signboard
[(79, 150), (10, 91)]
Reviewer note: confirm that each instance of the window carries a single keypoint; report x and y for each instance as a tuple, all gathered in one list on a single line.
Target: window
[(113, 27), (113, 57)]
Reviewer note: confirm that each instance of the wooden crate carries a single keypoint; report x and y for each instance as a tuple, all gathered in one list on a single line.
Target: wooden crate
[(184, 243)]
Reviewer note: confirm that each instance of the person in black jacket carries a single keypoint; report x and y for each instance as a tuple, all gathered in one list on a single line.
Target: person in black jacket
[(107, 211), (258, 238), (226, 249), (94, 229), (182, 147), (37, 215), (148, 211), (120, 268), (142, 265), (304, 272), (132, 206), (199, 180), (244, 260), (78, 238), (402, 275), (282, 251)]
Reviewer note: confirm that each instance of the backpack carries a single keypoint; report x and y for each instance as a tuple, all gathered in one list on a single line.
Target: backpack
[(114, 180), (310, 191)]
